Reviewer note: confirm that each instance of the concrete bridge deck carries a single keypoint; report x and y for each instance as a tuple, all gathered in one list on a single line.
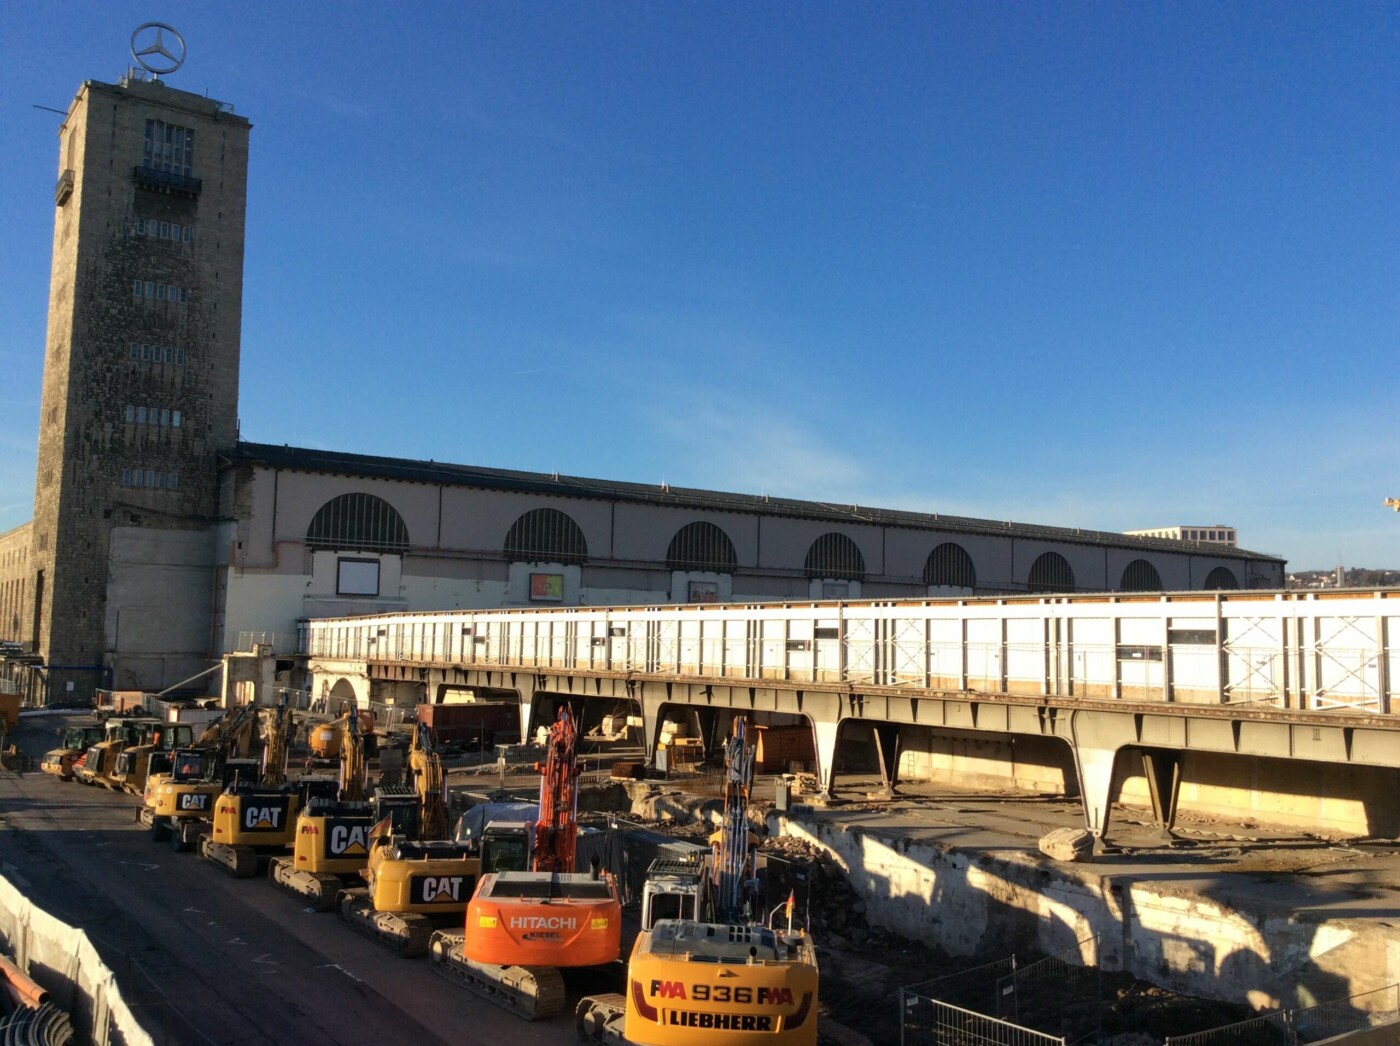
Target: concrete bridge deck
[(1305, 678)]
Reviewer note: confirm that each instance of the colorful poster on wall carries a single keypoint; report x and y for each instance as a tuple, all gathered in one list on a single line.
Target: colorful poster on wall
[(547, 588), (704, 592)]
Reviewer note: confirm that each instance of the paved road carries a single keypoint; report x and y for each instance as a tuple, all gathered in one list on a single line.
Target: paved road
[(205, 958)]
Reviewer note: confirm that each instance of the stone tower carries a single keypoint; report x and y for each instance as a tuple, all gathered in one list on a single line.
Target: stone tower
[(140, 383)]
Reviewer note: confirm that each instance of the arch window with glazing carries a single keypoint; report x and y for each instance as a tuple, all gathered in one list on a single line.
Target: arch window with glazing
[(1050, 573), (835, 556), (359, 522), (1220, 579), (1140, 576), (949, 564), (701, 546), (546, 535)]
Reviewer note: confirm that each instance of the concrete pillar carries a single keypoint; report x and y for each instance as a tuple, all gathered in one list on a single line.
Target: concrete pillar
[(1095, 767), (652, 700), (825, 731), (1162, 769)]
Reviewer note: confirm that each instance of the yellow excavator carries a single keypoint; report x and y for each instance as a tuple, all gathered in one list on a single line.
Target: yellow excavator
[(254, 819), (419, 879), (707, 967), (332, 834), (179, 803), (100, 764), (137, 762)]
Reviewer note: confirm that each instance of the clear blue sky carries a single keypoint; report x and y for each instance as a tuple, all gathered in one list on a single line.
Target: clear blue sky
[(1104, 265)]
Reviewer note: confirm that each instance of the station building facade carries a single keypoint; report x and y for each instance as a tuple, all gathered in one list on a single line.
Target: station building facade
[(161, 541)]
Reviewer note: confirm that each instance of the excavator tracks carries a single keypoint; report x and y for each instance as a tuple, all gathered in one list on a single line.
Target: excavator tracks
[(408, 934), (317, 888), (535, 993), (239, 861)]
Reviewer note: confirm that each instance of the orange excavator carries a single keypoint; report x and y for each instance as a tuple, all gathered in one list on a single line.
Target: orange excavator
[(522, 926)]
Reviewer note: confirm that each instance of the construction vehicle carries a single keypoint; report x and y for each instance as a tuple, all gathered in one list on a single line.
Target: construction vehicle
[(332, 834), (100, 764), (73, 745), (416, 880), (522, 926), (179, 803), (255, 819), (706, 967), (152, 755)]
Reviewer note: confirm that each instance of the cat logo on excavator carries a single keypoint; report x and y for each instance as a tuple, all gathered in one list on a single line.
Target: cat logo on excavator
[(349, 839), (267, 818), (194, 801)]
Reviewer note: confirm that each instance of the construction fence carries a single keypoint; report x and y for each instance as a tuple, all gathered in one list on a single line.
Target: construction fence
[(1055, 1000), (1328, 1020)]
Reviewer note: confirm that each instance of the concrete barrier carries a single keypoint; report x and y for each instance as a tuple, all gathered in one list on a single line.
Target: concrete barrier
[(62, 961)]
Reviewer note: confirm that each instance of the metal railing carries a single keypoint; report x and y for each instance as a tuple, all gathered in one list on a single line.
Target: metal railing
[(1284, 651)]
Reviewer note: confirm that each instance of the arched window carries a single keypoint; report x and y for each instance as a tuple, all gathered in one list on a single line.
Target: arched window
[(1051, 573), (1140, 576), (949, 564), (1220, 579), (361, 522), (546, 535), (701, 546), (835, 556)]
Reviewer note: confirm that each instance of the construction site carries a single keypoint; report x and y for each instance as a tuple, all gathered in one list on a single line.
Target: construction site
[(930, 915)]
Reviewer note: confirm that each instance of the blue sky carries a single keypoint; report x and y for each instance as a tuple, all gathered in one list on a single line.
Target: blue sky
[(1094, 264)]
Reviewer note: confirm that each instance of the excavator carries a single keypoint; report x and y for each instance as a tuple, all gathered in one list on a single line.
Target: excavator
[(253, 819), (179, 803), (137, 762), (100, 764), (74, 742), (522, 926), (416, 879), (332, 834), (706, 966)]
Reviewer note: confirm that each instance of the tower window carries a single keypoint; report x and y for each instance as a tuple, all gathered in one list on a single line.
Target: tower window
[(169, 148)]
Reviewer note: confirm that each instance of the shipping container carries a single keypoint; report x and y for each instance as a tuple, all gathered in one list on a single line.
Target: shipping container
[(473, 722)]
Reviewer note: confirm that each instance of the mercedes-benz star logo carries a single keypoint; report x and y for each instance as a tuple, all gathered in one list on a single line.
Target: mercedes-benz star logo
[(153, 49)]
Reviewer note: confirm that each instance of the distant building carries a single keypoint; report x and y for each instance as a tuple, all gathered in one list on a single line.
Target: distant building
[(160, 541), (1218, 534)]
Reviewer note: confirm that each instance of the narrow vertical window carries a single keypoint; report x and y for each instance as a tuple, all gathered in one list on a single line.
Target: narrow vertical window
[(135, 351), (164, 416), (150, 289), (140, 415), (174, 480), (151, 227), (126, 477), (179, 357), (137, 289), (175, 419), (185, 233), (146, 353), (165, 230), (131, 413), (160, 292), (150, 477)]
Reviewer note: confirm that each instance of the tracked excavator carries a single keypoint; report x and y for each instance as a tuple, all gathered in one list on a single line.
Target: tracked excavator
[(254, 819), (100, 763), (707, 967), (523, 926), (178, 804), (415, 880), (150, 755), (332, 833)]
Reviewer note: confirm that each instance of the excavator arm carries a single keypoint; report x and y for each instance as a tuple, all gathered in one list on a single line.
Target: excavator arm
[(556, 830)]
